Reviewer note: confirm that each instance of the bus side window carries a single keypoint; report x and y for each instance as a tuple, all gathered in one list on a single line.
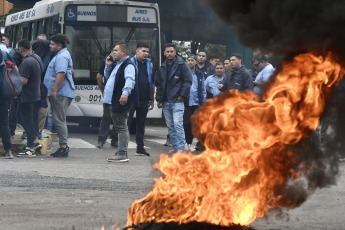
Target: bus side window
[(9, 31), (56, 26), (40, 26), (25, 30), (49, 26), (18, 34), (33, 26)]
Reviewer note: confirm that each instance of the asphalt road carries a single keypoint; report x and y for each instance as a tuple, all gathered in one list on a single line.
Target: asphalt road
[(84, 191)]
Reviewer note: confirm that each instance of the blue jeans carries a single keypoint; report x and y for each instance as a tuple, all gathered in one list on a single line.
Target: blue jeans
[(50, 119), (173, 113)]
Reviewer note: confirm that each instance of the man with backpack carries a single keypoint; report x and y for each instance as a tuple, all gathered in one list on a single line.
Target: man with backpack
[(4, 102)]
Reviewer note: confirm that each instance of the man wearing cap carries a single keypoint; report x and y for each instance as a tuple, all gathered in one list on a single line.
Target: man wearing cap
[(197, 96)]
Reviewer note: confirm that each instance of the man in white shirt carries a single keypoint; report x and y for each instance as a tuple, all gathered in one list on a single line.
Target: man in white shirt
[(265, 69)]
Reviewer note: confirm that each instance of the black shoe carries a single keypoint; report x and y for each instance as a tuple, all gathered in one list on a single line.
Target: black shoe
[(114, 144), (61, 152), (100, 144), (141, 152), (199, 147), (167, 143), (38, 146)]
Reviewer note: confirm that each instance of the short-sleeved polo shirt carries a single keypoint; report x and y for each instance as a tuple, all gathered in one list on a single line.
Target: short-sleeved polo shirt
[(30, 69), (61, 63)]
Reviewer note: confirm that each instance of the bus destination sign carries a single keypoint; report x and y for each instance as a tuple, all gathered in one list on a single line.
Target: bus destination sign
[(110, 14)]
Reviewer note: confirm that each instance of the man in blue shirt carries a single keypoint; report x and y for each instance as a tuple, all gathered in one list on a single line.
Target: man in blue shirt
[(61, 89), (6, 40), (121, 93), (197, 97), (106, 118), (146, 100), (213, 81), (265, 69)]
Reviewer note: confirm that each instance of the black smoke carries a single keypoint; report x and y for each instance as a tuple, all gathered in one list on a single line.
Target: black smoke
[(286, 27)]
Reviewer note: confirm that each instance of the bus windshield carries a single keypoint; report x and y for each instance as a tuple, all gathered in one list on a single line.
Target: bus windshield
[(89, 44)]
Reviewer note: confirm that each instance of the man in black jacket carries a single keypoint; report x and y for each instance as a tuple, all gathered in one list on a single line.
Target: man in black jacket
[(238, 77), (173, 87)]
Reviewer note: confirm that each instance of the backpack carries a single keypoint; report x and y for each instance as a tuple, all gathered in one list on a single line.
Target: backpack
[(10, 80)]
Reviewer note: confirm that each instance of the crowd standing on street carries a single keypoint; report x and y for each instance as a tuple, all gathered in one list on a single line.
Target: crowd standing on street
[(179, 87)]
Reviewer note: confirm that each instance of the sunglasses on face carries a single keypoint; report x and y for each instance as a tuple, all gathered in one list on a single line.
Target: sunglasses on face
[(256, 65)]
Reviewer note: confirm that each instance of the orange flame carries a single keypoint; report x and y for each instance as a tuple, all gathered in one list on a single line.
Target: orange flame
[(246, 167)]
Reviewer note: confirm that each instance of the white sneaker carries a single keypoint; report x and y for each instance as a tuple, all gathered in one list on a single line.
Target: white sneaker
[(188, 148)]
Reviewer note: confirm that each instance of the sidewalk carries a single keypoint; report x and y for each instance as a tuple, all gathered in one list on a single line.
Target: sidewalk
[(18, 144)]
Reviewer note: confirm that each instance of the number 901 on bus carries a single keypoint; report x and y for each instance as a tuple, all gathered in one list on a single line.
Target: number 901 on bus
[(95, 98)]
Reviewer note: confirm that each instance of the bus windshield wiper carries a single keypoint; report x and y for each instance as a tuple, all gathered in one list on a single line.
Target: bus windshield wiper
[(101, 51), (130, 34)]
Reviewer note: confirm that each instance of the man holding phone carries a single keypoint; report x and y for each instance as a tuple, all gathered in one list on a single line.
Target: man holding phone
[(106, 119), (121, 91)]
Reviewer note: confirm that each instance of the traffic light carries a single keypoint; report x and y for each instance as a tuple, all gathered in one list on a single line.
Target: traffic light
[(5, 7)]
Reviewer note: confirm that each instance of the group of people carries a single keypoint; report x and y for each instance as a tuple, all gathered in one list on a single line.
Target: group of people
[(46, 80), (181, 88)]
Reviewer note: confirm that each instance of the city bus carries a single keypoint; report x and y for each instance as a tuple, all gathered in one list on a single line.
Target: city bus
[(93, 27)]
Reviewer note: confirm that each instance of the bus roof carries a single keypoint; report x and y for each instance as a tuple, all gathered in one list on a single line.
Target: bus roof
[(47, 8)]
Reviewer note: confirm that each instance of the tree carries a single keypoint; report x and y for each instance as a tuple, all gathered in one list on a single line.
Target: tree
[(5, 7)]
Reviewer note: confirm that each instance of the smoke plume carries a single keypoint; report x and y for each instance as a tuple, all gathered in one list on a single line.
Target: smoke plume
[(286, 27)]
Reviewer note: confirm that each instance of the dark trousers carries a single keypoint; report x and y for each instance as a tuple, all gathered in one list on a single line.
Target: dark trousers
[(187, 123), (29, 112), (4, 127), (141, 113), (14, 116), (105, 124)]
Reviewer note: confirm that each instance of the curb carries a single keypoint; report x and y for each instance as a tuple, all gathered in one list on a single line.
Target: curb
[(18, 144)]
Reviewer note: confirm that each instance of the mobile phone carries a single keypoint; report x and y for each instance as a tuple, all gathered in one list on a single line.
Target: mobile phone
[(111, 57)]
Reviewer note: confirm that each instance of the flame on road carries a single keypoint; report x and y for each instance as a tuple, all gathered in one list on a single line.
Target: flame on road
[(246, 167)]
